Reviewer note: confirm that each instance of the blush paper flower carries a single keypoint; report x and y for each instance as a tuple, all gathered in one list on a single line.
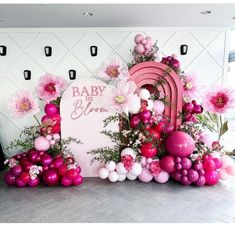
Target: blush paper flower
[(122, 98), (219, 100), (191, 86), (23, 104), (50, 87), (114, 70)]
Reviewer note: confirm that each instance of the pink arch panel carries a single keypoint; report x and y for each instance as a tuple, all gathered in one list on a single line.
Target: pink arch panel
[(148, 73)]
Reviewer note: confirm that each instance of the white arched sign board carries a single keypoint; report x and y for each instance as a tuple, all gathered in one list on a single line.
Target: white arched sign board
[(82, 112)]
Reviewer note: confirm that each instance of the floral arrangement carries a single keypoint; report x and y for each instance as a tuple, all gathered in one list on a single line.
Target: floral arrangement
[(148, 146), (45, 156)]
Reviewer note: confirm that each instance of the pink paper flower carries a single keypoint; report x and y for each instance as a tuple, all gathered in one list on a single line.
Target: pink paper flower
[(123, 99), (128, 161), (191, 89), (114, 70), (50, 87), (23, 104), (219, 100), (155, 168)]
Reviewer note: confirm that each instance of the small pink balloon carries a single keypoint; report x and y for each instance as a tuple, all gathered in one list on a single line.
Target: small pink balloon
[(212, 177), (158, 106), (231, 170), (66, 182), (201, 181), (138, 38), (186, 163), (45, 118), (50, 109), (139, 48), (223, 174), (149, 40), (34, 183), (147, 46), (41, 143), (143, 41), (146, 176), (77, 181), (20, 183), (162, 177), (218, 163), (9, 178)]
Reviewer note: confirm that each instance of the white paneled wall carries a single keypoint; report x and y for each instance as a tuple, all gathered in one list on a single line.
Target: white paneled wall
[(207, 56)]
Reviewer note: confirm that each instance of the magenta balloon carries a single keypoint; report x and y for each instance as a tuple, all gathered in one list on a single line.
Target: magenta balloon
[(218, 163), (193, 175), (185, 180), (9, 178), (180, 144), (66, 182), (201, 181), (77, 181), (34, 183), (177, 175), (46, 159), (50, 109), (79, 169), (58, 162), (20, 183), (212, 177), (146, 176), (167, 163), (186, 163), (16, 170), (51, 177)]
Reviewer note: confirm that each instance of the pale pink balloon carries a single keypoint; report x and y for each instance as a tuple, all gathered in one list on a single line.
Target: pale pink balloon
[(158, 106), (162, 177), (41, 143), (147, 46), (146, 52), (226, 161), (138, 38), (139, 48), (149, 40), (223, 175), (231, 170), (143, 41), (146, 176)]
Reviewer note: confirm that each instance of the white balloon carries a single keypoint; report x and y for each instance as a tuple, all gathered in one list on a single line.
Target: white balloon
[(122, 177), (130, 176), (134, 108), (162, 177), (121, 169), (150, 105), (113, 176), (110, 166), (144, 94), (136, 169), (128, 151), (103, 173)]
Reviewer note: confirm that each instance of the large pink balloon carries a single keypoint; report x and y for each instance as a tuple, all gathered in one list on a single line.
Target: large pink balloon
[(212, 177), (180, 144), (41, 143), (146, 176), (167, 163), (9, 178)]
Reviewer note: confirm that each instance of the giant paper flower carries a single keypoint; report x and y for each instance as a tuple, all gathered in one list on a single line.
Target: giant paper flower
[(114, 70), (219, 100), (23, 104), (123, 99), (50, 87), (191, 89)]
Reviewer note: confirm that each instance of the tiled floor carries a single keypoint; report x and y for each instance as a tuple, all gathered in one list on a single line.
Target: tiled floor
[(131, 201)]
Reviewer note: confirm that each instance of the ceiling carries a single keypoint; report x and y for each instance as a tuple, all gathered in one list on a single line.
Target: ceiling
[(115, 15)]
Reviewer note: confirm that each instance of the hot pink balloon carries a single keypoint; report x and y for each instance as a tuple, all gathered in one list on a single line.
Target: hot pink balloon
[(9, 178), (212, 177), (193, 175), (78, 180), (180, 144), (201, 181), (167, 163), (20, 183), (41, 143), (162, 177), (50, 109), (16, 170), (139, 48), (146, 176), (158, 106), (66, 182), (34, 183), (51, 177), (138, 38)]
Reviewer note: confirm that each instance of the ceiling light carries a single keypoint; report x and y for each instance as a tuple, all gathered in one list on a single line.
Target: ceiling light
[(206, 12), (87, 14), (233, 18)]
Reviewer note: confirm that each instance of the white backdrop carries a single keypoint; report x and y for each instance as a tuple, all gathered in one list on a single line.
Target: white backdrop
[(207, 56)]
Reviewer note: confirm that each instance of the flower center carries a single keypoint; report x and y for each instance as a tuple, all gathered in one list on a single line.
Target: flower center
[(113, 71), (220, 100), (120, 99), (50, 87), (25, 105), (189, 85)]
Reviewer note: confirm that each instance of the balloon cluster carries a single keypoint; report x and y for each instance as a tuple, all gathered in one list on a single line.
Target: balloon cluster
[(172, 62), (191, 108), (127, 168), (143, 44), (33, 167), (51, 120)]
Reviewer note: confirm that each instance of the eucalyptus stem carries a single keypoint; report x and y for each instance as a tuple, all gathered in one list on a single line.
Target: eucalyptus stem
[(221, 127), (37, 120)]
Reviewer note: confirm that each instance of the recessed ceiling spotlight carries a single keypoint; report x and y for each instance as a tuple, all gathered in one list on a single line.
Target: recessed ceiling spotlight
[(233, 18), (206, 12), (87, 14)]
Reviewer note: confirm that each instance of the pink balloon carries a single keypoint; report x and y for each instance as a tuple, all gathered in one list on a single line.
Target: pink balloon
[(218, 163), (147, 46), (51, 177), (186, 163), (162, 177), (16, 170), (201, 181), (158, 106), (146, 176), (58, 162), (138, 38), (212, 177), (50, 109), (231, 170), (20, 183), (167, 163), (46, 159), (66, 182), (143, 41), (149, 40), (193, 175), (9, 178), (139, 48), (45, 118), (223, 175), (185, 180), (34, 183), (78, 180), (41, 143), (180, 144)]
